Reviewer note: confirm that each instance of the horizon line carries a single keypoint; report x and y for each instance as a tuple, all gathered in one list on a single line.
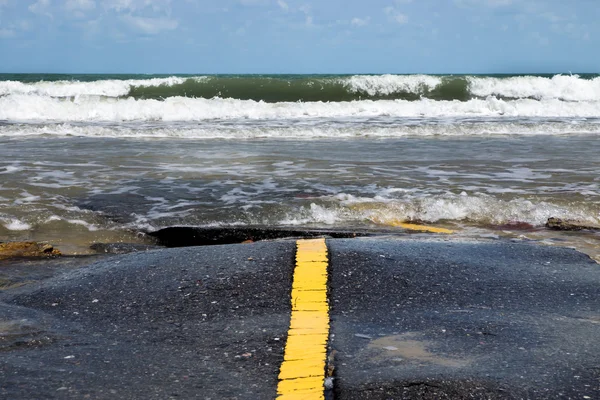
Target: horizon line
[(306, 73)]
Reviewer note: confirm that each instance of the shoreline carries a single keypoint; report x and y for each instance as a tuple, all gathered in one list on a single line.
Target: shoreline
[(14, 271), (570, 233)]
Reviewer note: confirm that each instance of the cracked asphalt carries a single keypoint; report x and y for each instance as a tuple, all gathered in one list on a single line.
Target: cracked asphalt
[(410, 318)]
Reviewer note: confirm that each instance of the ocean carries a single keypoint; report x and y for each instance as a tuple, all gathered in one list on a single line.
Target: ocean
[(106, 158)]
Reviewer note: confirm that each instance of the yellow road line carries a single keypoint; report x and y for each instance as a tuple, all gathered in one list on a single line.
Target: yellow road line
[(302, 373), (413, 227), (425, 228)]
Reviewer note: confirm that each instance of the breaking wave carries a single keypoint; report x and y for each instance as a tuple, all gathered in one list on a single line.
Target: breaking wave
[(475, 209), (324, 88), (23, 107), (298, 105)]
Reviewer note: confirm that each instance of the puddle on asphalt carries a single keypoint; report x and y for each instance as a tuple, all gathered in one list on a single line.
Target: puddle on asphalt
[(19, 327), (408, 348), (20, 333), (24, 328)]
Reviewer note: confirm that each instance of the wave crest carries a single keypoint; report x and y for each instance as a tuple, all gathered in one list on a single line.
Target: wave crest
[(108, 88), (294, 88), (562, 87)]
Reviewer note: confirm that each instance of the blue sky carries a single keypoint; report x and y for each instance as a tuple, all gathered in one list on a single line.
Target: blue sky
[(299, 36)]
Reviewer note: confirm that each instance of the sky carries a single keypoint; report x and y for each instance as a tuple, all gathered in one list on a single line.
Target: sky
[(300, 36)]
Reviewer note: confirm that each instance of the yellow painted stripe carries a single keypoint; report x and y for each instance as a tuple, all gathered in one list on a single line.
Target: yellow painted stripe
[(425, 228), (302, 373), (413, 227)]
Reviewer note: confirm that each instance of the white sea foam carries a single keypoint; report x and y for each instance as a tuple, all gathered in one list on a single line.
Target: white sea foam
[(387, 84), (110, 87), (96, 109), (9, 169), (564, 87), (90, 227), (14, 224), (293, 131), (464, 208)]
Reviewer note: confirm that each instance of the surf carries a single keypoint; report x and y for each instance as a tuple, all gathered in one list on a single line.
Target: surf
[(312, 88)]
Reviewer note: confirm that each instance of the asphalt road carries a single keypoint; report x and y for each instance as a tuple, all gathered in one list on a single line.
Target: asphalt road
[(453, 320), (410, 318)]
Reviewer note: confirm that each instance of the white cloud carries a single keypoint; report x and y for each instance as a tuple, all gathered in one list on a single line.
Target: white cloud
[(254, 2), (540, 39), (6, 33), (150, 26), (14, 28), (148, 17), (3, 3), (305, 9), (360, 21), (400, 18), (486, 3), (283, 5), (92, 26), (23, 25), (395, 15), (498, 3), (551, 17), (119, 5), (547, 21), (80, 5), (40, 7), (308, 18), (79, 8), (133, 5)]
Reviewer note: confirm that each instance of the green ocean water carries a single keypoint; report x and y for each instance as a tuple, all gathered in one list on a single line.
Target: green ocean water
[(305, 88)]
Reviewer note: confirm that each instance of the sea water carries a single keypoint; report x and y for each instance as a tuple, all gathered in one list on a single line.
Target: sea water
[(88, 158)]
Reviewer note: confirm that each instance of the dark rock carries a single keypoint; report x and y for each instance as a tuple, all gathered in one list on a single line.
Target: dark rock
[(516, 226), (570, 225), (27, 249)]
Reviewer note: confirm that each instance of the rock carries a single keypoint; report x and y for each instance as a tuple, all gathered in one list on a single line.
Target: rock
[(570, 225), (27, 249), (516, 226)]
